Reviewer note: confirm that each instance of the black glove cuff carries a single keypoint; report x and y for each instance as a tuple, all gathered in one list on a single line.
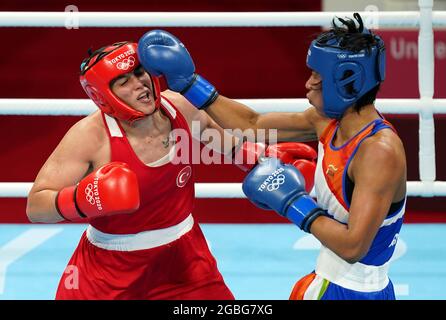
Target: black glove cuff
[(309, 219)]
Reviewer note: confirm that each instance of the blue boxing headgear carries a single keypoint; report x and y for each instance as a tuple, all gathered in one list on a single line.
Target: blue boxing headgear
[(346, 75)]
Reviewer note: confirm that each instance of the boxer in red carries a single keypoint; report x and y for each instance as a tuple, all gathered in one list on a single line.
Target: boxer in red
[(115, 170)]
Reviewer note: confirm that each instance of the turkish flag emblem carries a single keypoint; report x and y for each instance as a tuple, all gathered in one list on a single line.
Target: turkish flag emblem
[(183, 176)]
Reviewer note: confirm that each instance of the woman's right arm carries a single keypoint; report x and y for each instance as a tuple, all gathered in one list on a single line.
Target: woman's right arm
[(66, 166), (291, 126)]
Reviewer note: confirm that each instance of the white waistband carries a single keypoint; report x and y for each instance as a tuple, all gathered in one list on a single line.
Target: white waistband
[(139, 241), (357, 276)]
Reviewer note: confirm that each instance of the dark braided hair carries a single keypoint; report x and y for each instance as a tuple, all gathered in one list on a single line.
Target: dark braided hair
[(95, 56), (348, 36)]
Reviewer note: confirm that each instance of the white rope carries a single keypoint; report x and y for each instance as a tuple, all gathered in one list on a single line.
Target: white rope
[(82, 107), (206, 19), (234, 190), (438, 18), (426, 106), (427, 167), (42, 107)]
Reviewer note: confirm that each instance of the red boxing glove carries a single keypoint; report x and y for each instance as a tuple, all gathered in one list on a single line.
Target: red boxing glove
[(290, 151), (112, 189), (307, 168), (300, 155), (247, 154)]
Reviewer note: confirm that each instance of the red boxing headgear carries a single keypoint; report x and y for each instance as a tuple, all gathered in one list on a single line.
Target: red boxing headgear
[(102, 67)]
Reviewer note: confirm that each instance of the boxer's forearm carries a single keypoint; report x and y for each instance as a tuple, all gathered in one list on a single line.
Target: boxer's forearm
[(41, 207), (231, 114), (219, 140), (270, 127)]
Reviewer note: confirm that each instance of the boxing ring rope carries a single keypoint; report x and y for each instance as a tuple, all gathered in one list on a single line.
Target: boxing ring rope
[(207, 19), (83, 107), (231, 190), (426, 106)]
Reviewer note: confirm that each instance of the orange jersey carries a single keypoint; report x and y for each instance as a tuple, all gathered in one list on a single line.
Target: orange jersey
[(335, 160)]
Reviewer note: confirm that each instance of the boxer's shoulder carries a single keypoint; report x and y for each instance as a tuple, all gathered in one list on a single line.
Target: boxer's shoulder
[(179, 102), (87, 133), (92, 125), (318, 120), (182, 105)]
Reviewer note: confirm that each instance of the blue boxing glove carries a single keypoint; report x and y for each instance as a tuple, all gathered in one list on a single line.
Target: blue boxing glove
[(161, 53), (281, 187)]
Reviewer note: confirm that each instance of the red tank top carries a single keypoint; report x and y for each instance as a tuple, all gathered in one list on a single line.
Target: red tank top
[(166, 191)]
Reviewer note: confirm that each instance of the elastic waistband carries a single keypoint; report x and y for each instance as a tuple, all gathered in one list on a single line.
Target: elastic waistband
[(139, 241), (357, 276)]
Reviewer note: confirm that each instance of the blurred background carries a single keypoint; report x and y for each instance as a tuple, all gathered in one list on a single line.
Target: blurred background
[(242, 62)]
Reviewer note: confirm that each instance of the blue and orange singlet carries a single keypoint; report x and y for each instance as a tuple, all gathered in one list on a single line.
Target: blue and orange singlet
[(334, 278)]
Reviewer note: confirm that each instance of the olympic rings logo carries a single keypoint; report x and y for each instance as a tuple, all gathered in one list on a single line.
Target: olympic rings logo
[(126, 63), (276, 183), (89, 194)]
